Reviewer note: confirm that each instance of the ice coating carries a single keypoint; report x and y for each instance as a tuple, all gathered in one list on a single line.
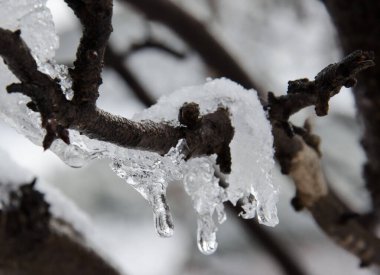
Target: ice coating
[(149, 173), (252, 151), (35, 21)]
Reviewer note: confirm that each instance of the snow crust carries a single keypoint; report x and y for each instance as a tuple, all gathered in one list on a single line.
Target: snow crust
[(250, 181), (35, 21)]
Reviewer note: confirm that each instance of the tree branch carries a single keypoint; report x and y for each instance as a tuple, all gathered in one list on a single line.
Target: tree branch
[(95, 17), (32, 241), (298, 152), (211, 134), (197, 36)]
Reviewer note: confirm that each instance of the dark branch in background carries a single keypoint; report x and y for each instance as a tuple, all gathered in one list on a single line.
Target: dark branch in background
[(150, 43), (272, 244), (95, 17), (298, 153), (358, 26), (31, 244), (196, 35), (116, 62)]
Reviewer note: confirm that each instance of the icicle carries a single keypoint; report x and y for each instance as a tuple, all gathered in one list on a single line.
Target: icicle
[(206, 235), (161, 213)]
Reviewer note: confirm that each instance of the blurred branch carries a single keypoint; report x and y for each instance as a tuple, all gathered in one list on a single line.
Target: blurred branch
[(358, 26), (33, 242), (197, 36), (272, 244), (116, 62), (150, 43)]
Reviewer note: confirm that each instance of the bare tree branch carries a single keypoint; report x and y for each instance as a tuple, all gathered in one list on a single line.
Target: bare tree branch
[(298, 152), (95, 17)]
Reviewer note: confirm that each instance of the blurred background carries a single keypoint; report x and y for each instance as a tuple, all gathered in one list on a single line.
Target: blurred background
[(275, 41)]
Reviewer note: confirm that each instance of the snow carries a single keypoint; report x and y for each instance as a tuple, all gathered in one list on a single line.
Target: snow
[(35, 21), (251, 151)]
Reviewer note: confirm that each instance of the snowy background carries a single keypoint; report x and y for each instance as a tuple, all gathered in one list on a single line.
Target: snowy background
[(275, 41)]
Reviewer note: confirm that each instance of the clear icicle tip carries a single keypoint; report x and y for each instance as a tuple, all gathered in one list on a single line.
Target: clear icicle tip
[(162, 216), (206, 235)]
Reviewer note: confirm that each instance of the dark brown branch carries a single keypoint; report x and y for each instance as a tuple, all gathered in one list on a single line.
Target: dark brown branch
[(197, 36), (303, 92), (116, 62), (298, 153), (31, 241), (358, 26), (150, 43), (95, 17), (211, 135)]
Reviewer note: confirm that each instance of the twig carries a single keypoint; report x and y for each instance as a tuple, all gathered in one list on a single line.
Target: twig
[(298, 153), (197, 36), (115, 61), (95, 17), (210, 136)]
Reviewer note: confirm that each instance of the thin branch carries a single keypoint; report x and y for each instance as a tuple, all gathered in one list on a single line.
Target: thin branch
[(303, 92), (298, 152), (95, 17), (151, 43), (272, 244), (116, 62), (197, 36)]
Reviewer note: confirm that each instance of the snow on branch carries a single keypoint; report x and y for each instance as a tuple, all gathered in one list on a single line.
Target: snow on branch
[(42, 232), (216, 128)]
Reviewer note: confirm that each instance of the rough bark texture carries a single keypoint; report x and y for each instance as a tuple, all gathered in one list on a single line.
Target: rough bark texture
[(95, 17), (358, 26), (31, 244)]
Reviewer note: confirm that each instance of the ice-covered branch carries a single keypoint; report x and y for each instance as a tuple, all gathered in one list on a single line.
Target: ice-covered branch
[(209, 137), (95, 17)]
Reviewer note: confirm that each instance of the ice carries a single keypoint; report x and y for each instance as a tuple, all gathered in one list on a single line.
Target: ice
[(149, 173), (249, 183), (35, 21)]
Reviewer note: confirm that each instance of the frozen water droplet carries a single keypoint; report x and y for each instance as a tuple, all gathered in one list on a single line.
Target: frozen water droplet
[(69, 94), (206, 235), (162, 216)]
